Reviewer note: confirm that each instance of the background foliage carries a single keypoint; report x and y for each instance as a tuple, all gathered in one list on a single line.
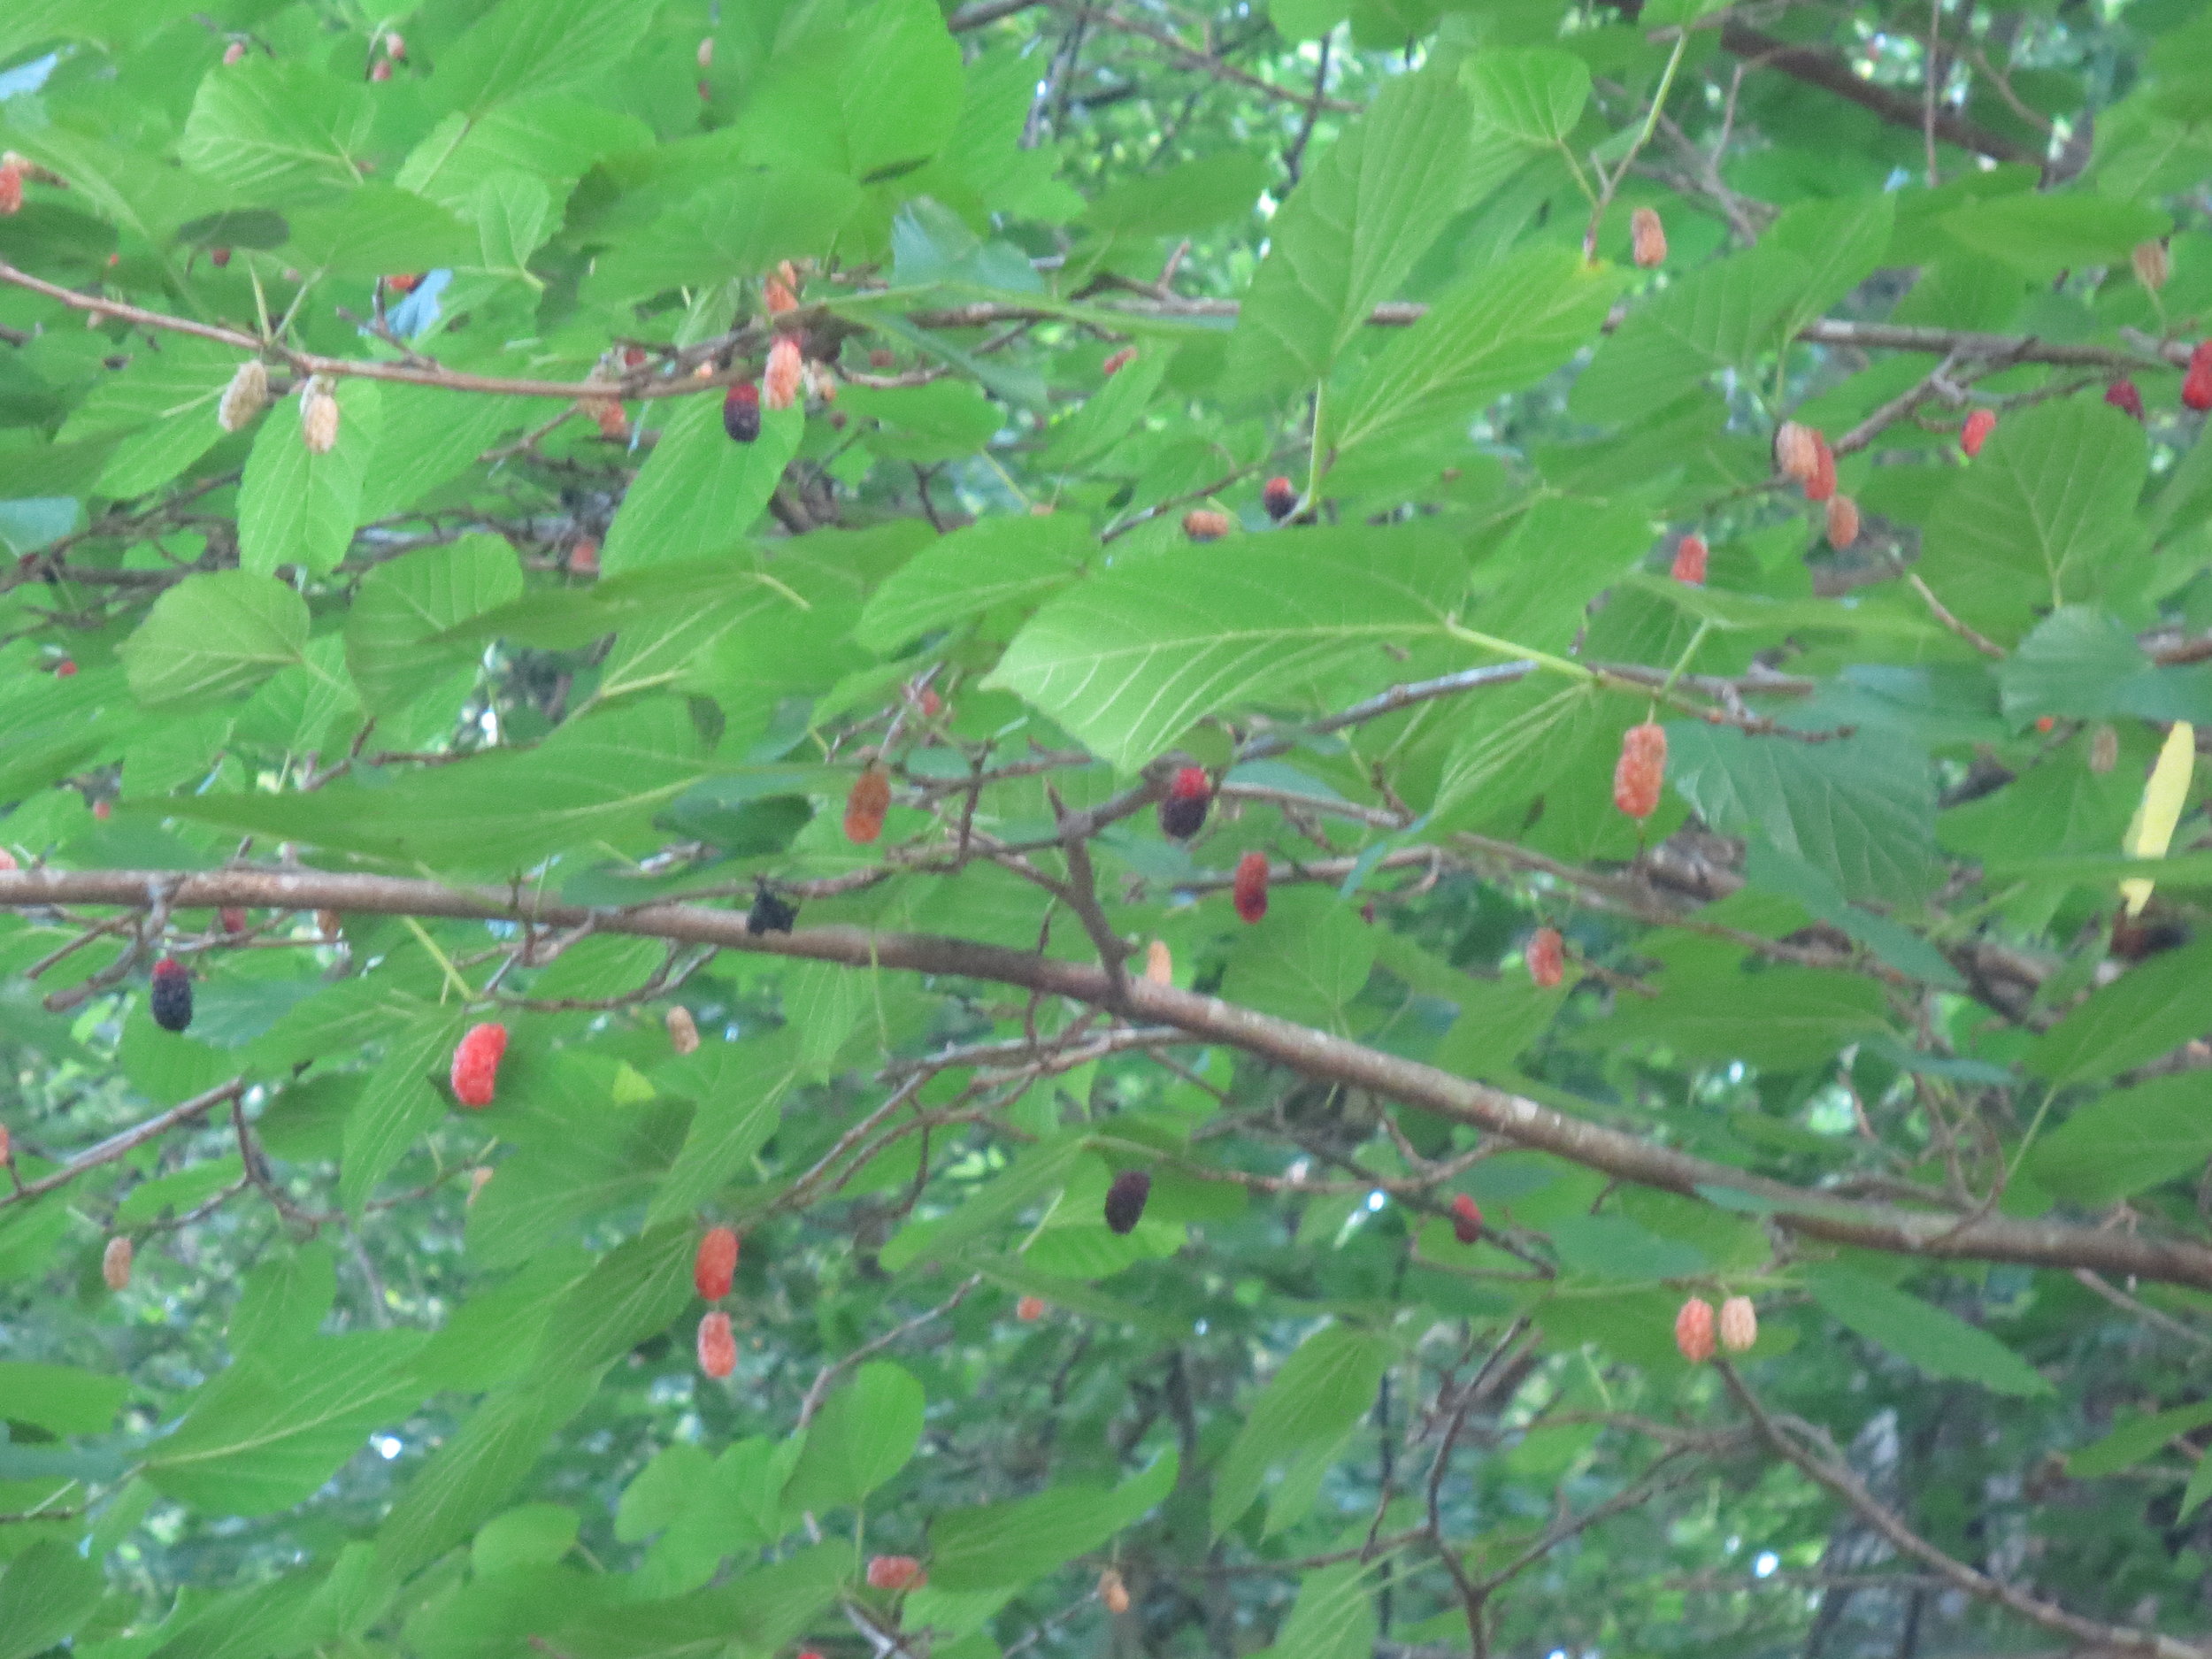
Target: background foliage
[(506, 705)]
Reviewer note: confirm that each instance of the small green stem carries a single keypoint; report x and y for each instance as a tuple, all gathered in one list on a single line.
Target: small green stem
[(1506, 647), (1688, 651), (452, 973)]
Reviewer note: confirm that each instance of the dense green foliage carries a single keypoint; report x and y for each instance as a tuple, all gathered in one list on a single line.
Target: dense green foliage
[(506, 687)]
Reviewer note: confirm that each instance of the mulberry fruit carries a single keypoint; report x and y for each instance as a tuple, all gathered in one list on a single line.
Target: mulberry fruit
[(740, 411), (318, 416), (1640, 770), (2104, 750), (583, 558), (1125, 1200), (233, 53), (1843, 522), (1738, 1324), (1280, 498), (2153, 263), (2124, 397), (234, 919), (1203, 524), (1183, 813), (1159, 963), (1693, 1330), (1250, 889), (895, 1572), (246, 395), (769, 914), (706, 52), (779, 384), (11, 188), (1466, 1219), (1113, 1592), (1547, 956), (476, 1064), (1689, 560), (715, 1267), (2196, 385), (683, 1031), (1822, 484), (172, 994), (718, 1348), (1647, 237), (1975, 433), (1029, 1309), (1796, 457), (479, 1178), (864, 807), (115, 1263), (1119, 361)]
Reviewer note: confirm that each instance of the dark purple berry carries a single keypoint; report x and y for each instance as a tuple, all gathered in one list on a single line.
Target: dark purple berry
[(769, 914), (172, 994), (1184, 810), (741, 412), (1125, 1200)]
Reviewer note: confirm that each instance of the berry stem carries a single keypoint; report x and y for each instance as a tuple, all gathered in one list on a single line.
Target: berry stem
[(452, 973)]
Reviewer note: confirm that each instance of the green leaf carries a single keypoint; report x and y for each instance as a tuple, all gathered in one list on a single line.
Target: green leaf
[(740, 1088), (2132, 1441), (298, 509), (2030, 524), (1130, 659), (1352, 230), (1618, 1247), (61, 1399), (737, 227), (862, 1436), (1533, 95), (213, 636), (1040, 1171), (699, 493), (1307, 963), (2041, 235), (473, 1475), (1333, 1616), (431, 436), (1859, 809), (1716, 317), (283, 1301), (1015, 1542), (1841, 240), (166, 401), (270, 1429), (392, 645), (2151, 1009), (1320, 1391), (2123, 1142), (900, 88), (1499, 330), (1782, 1020), (633, 1293), (45, 1594), (377, 230), (596, 780), (278, 132), (998, 562), (528, 48), (1941, 1343), (400, 1104)]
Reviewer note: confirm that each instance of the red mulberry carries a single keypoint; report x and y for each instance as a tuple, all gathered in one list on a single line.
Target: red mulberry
[(1547, 956), (718, 1348), (715, 1267), (864, 807), (740, 411), (1640, 770), (1689, 560), (1975, 433), (1184, 811), (1693, 1330), (1466, 1219), (1250, 890), (476, 1064)]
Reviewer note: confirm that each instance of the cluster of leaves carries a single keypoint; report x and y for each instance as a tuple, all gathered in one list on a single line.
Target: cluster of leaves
[(530, 697)]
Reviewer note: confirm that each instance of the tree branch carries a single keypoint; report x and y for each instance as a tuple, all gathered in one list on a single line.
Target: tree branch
[(1931, 1235)]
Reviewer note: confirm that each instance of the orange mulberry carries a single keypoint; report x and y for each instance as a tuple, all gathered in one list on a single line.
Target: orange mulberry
[(1641, 769), (476, 1064), (865, 805)]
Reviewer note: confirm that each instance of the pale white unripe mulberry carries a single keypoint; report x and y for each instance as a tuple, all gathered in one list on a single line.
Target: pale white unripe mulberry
[(318, 416), (246, 397), (779, 384), (1738, 1324)]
